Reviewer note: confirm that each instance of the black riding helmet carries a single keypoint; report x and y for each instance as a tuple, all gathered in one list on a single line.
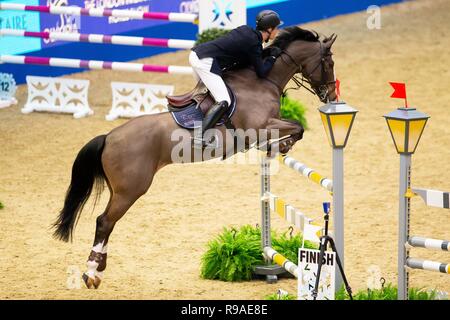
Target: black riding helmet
[(267, 19)]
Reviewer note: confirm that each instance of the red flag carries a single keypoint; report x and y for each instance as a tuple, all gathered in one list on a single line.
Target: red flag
[(399, 91), (338, 89)]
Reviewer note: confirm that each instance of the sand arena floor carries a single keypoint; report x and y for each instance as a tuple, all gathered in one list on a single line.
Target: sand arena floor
[(169, 227)]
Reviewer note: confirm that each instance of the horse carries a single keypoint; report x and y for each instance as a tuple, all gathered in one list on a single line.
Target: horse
[(127, 158)]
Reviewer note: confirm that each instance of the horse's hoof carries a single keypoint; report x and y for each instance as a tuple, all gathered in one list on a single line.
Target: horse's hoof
[(97, 282), (286, 145), (90, 282)]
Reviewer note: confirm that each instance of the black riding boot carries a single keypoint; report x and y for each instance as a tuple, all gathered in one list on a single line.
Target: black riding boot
[(214, 114)]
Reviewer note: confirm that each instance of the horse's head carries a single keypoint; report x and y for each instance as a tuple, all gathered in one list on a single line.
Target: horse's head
[(312, 58), (320, 71)]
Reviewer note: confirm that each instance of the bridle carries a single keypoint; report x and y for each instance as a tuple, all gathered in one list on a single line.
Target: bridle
[(317, 88)]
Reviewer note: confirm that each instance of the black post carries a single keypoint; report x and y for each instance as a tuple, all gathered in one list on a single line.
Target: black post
[(323, 247)]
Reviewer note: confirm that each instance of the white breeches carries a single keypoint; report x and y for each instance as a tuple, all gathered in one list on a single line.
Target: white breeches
[(212, 81)]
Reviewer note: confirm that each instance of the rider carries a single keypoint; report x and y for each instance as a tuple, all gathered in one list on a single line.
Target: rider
[(241, 46)]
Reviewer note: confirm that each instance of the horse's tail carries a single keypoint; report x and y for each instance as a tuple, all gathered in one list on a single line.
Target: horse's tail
[(87, 169)]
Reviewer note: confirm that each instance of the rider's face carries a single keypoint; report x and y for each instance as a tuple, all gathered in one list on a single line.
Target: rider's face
[(269, 34), (273, 33)]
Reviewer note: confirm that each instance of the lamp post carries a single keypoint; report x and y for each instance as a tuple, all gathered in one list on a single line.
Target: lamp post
[(337, 119), (406, 126)]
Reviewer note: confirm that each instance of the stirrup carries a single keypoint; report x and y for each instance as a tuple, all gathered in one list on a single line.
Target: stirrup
[(213, 143), (200, 143)]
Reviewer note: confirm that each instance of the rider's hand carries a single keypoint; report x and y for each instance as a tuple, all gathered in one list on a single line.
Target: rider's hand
[(275, 52)]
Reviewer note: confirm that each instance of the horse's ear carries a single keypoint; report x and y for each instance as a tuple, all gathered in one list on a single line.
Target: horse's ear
[(328, 38), (329, 41)]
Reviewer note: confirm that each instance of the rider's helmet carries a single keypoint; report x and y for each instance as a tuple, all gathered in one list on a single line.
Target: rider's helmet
[(267, 19)]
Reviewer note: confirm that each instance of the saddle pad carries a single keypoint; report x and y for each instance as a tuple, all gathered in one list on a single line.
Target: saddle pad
[(191, 117)]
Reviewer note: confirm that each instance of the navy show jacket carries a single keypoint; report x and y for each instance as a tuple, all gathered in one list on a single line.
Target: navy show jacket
[(241, 47)]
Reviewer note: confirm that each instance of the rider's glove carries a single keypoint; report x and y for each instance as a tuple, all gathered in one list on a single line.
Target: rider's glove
[(275, 52)]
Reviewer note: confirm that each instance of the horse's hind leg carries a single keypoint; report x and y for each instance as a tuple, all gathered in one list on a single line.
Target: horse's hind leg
[(96, 264), (128, 178)]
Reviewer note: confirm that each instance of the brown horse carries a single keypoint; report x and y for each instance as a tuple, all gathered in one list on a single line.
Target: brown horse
[(128, 157)]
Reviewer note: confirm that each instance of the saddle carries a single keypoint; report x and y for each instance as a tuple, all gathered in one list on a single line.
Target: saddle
[(189, 109)]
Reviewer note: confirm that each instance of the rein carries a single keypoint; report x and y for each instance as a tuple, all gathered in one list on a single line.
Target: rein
[(322, 87)]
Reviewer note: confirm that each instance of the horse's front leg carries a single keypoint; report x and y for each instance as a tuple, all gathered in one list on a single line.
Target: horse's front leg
[(285, 132)]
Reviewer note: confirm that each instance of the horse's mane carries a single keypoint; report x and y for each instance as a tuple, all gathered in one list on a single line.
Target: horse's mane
[(289, 34)]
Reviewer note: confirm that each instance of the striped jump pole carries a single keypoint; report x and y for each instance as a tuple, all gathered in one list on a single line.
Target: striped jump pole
[(286, 211), (101, 38), (94, 64), (280, 260), (309, 173), (101, 12), (429, 265), (427, 243), (434, 198)]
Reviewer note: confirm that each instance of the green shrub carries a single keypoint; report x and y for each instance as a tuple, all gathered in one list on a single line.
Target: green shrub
[(232, 255), (1, 205), (388, 292), (421, 294), (293, 110), (210, 34)]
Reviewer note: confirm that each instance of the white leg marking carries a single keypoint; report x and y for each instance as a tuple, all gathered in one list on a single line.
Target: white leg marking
[(98, 247), (92, 268)]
